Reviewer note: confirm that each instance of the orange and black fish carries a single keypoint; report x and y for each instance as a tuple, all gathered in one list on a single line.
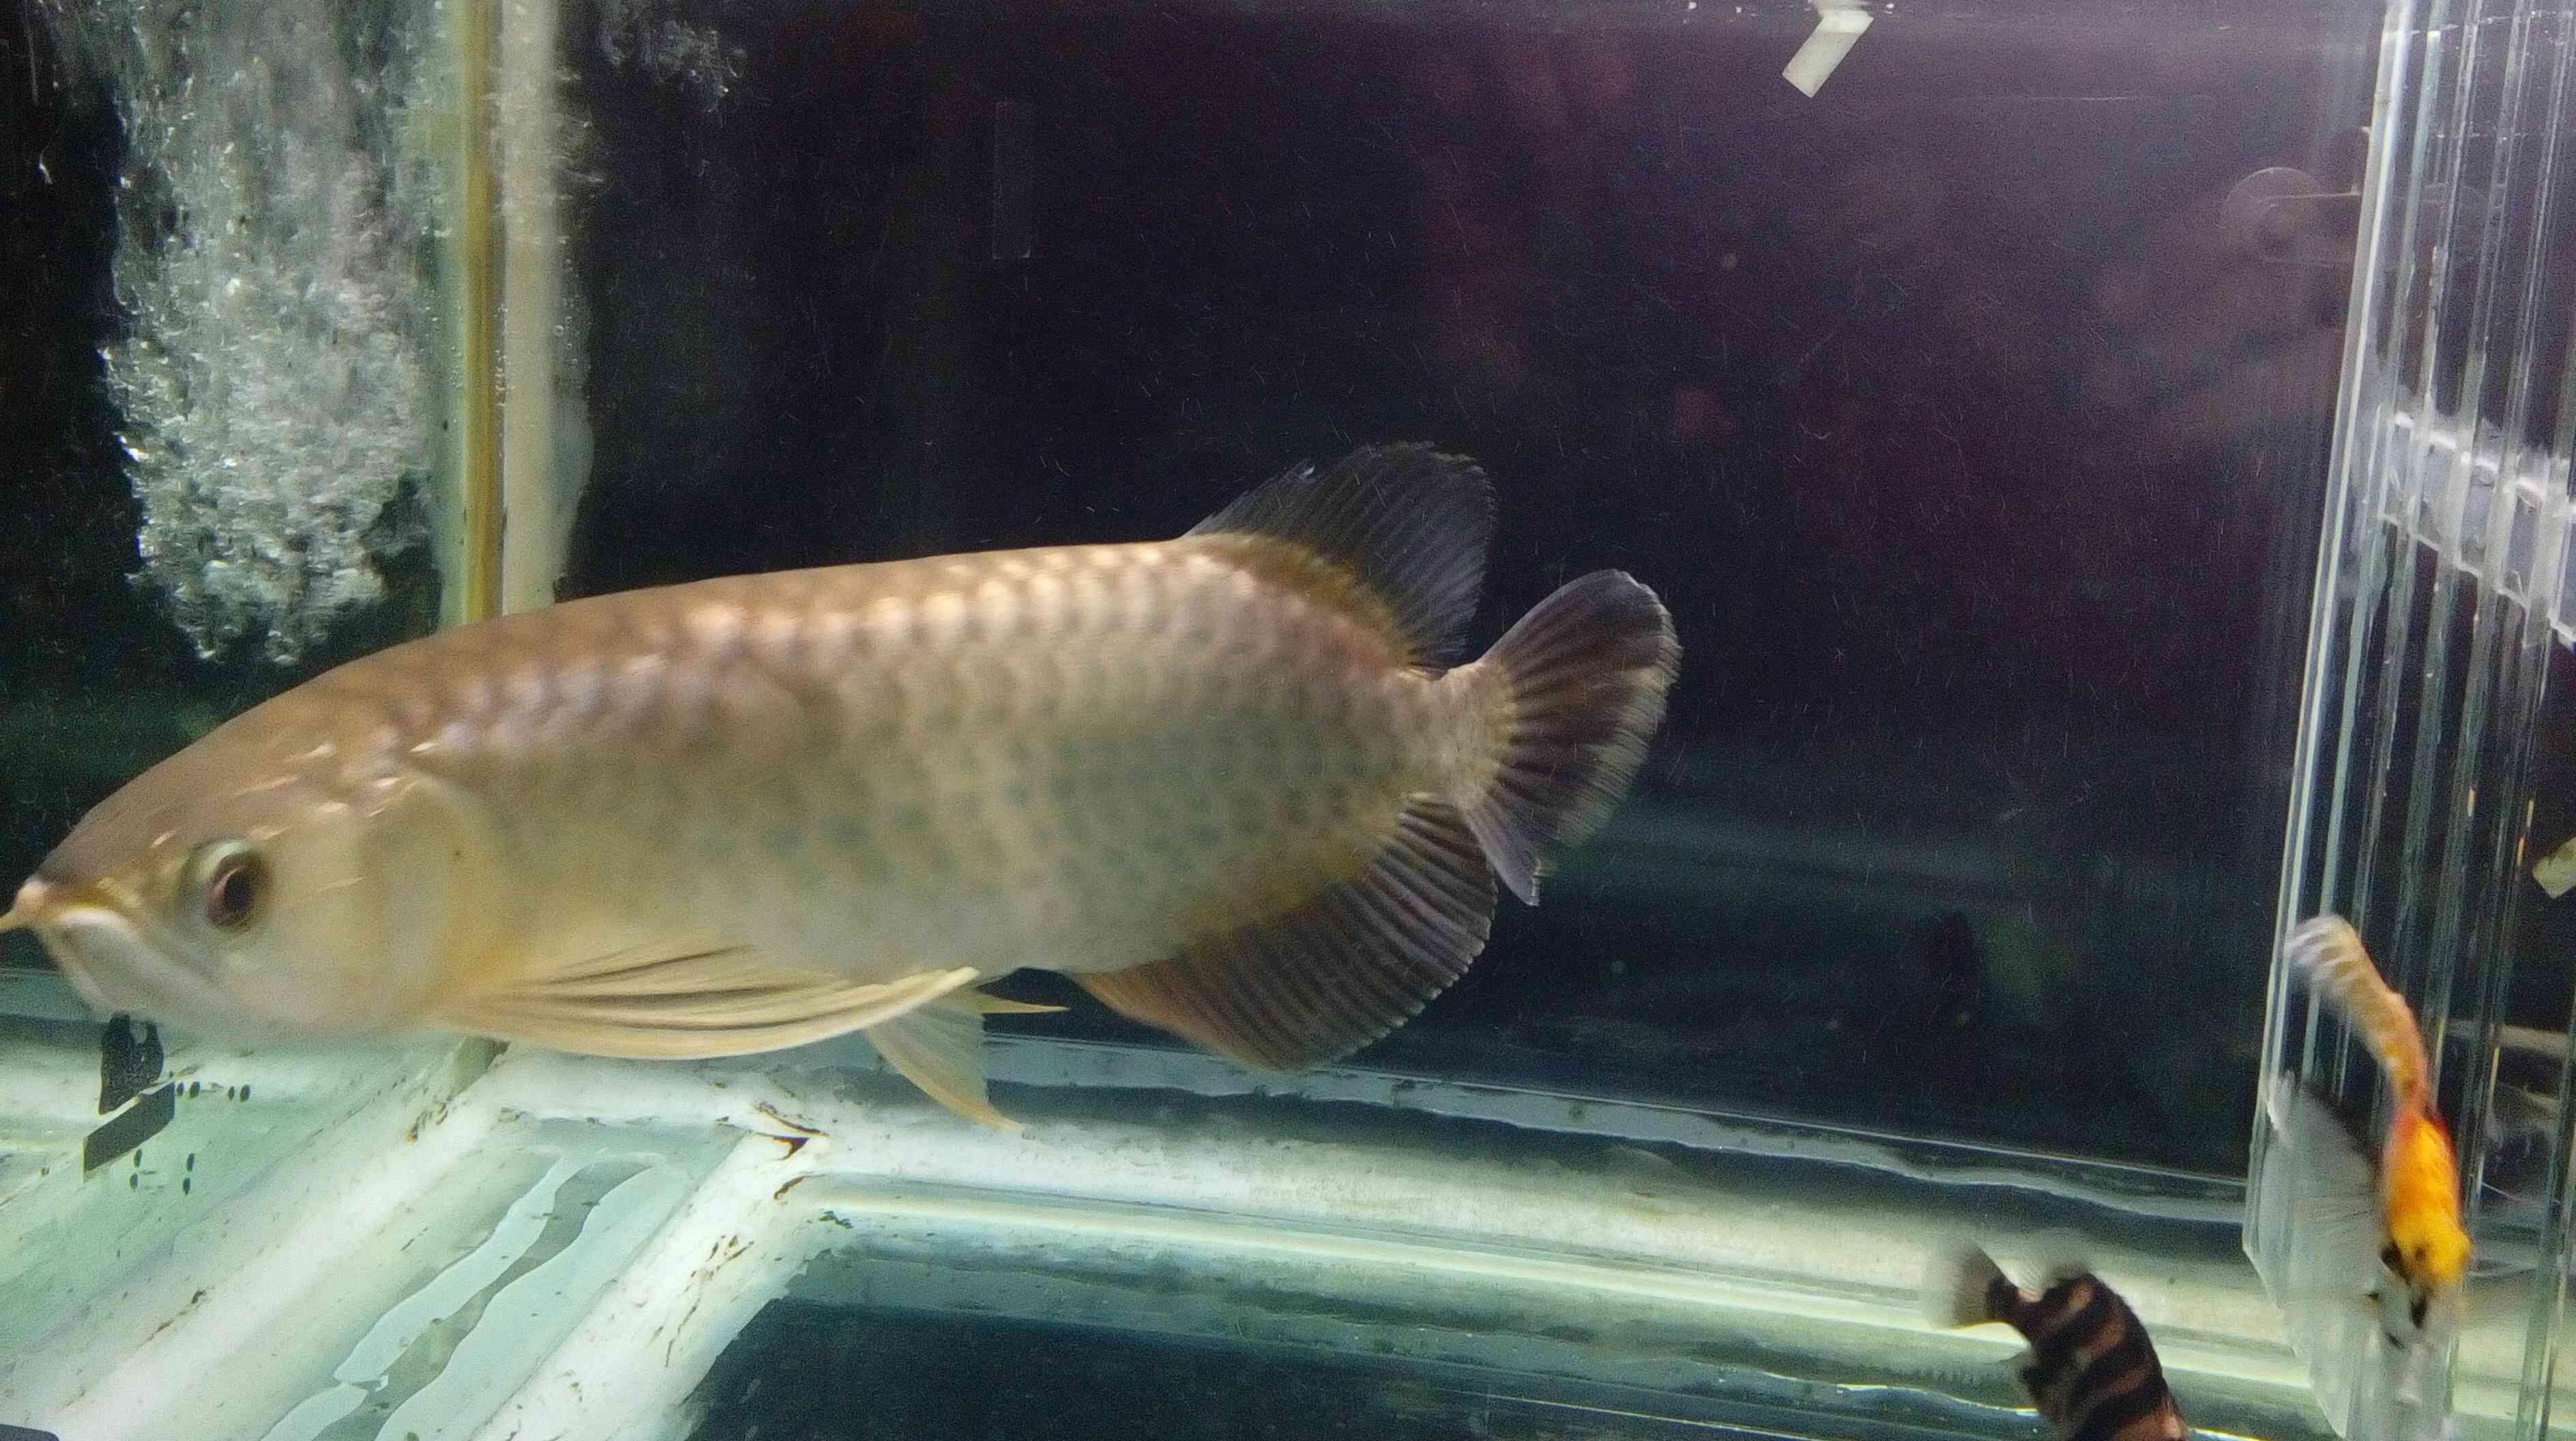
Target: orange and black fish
[(2090, 1368), (2417, 1174)]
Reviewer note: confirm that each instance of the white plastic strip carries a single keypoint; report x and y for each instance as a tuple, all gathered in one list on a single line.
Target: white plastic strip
[(1109, 1066), (626, 1368), (482, 1377), (1839, 24), (243, 1272), (397, 1329), (520, 1227), (1768, 1249), (2556, 871)]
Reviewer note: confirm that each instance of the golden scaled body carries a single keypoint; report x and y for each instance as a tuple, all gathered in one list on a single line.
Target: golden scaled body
[(1223, 780)]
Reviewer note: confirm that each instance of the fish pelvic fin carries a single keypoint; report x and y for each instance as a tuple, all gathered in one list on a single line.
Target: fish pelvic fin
[(1399, 531), (686, 1000), (1582, 684), (940, 1048), (1961, 1288), (1347, 966)]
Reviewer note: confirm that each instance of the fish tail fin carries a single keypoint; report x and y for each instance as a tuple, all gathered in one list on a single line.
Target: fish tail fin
[(2328, 954), (1960, 1289), (1577, 690)]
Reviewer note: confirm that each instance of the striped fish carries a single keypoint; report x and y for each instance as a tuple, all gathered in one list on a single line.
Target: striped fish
[(2090, 1368)]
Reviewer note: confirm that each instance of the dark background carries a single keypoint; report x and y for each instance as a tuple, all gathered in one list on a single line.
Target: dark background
[(1976, 456)]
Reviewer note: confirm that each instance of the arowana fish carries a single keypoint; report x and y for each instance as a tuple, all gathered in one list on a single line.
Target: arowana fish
[(1222, 781)]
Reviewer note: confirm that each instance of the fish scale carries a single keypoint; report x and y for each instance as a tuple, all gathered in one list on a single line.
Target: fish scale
[(954, 685)]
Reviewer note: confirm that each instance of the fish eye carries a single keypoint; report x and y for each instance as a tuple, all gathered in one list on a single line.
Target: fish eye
[(230, 884)]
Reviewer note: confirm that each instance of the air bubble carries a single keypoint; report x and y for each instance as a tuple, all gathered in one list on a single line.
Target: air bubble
[(273, 381)]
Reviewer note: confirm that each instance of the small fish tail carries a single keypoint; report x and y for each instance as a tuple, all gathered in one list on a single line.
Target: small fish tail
[(1963, 1288), (1583, 678)]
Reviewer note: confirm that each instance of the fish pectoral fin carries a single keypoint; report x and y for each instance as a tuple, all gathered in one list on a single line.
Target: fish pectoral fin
[(689, 1001), (1339, 971), (940, 1048)]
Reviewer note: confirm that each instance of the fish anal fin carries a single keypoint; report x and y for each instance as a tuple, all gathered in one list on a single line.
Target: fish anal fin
[(939, 1048), (1337, 972), (685, 1000), (1403, 526)]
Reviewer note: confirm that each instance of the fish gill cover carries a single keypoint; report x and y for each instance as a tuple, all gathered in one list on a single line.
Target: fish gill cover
[(272, 376)]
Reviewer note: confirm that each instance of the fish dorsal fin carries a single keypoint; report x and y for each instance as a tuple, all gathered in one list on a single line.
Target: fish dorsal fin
[(684, 1000), (1339, 971), (2059, 1254), (1404, 526)]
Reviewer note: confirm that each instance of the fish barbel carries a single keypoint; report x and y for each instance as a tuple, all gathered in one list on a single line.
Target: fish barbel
[(1222, 781)]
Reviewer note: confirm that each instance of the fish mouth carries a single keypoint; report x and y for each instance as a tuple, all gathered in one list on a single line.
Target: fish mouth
[(116, 965)]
